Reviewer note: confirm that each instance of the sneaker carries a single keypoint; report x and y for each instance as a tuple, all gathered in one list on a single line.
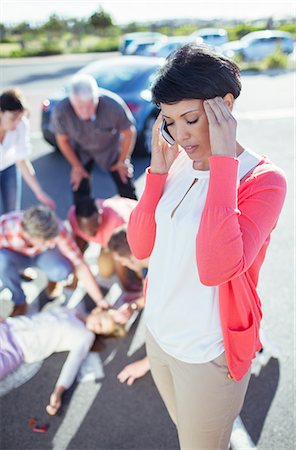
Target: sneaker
[(29, 274)]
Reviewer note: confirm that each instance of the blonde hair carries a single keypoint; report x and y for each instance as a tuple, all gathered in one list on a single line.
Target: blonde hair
[(117, 329)]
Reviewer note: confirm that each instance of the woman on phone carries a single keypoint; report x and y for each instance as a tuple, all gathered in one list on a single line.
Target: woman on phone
[(204, 219), (15, 149)]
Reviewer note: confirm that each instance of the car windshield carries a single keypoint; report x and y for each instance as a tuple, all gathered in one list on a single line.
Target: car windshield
[(120, 77)]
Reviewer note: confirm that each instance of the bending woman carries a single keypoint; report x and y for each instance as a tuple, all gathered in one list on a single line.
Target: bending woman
[(15, 149), (204, 219)]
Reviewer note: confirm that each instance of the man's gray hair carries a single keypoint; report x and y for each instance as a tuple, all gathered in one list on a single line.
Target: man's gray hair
[(40, 222), (84, 86)]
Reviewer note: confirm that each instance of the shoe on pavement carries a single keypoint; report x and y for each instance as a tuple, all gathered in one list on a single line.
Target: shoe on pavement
[(29, 274)]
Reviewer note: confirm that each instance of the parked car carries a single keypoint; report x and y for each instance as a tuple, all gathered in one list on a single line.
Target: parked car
[(212, 36), (128, 76), (130, 37), (163, 49), (140, 46), (257, 45)]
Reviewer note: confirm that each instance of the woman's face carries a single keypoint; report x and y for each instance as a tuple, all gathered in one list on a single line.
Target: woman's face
[(188, 124), (128, 261), (100, 322), (9, 120), (90, 225)]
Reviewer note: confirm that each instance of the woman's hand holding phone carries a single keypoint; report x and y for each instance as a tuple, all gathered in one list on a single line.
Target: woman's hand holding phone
[(162, 154)]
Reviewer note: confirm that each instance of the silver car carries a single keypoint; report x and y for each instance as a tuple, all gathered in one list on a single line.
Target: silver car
[(259, 44)]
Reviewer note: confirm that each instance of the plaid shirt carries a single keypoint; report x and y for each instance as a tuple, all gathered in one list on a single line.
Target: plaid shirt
[(12, 238)]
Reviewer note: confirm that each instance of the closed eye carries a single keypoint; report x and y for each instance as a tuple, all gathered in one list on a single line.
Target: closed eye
[(192, 122)]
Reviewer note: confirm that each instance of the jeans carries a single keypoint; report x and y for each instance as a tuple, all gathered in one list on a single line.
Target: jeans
[(10, 189), (52, 262)]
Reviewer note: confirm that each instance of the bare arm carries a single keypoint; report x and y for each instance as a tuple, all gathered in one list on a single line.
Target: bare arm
[(81, 343), (84, 274), (78, 172), (124, 313), (128, 139), (29, 175), (134, 370), (123, 166)]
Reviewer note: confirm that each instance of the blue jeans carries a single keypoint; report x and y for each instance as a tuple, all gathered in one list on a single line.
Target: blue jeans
[(52, 262), (10, 189)]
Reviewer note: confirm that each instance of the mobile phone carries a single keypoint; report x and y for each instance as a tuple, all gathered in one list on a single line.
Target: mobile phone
[(166, 134)]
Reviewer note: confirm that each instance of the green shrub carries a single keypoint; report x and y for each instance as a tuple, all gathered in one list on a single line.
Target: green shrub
[(104, 45), (238, 31), (47, 49), (278, 60), (290, 27)]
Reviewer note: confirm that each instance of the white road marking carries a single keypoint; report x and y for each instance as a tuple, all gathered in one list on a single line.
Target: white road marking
[(81, 402), (22, 374)]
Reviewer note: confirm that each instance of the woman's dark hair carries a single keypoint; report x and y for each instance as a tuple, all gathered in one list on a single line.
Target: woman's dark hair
[(195, 72), (12, 100), (85, 207)]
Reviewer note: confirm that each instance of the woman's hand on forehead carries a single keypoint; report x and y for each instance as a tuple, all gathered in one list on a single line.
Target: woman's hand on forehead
[(222, 127)]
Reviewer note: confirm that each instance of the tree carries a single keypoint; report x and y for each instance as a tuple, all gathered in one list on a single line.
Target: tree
[(100, 20), (21, 28), (2, 31), (54, 24)]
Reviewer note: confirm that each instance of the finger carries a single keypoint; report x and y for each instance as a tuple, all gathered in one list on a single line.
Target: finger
[(216, 107), (157, 123), (224, 108), (123, 177), (130, 381), (210, 112), (159, 119), (122, 376)]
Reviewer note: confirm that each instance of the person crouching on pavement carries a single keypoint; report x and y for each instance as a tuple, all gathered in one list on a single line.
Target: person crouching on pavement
[(37, 238), (94, 221), (121, 252), (94, 126)]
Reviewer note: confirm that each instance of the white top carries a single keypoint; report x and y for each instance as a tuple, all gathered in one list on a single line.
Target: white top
[(181, 313), (16, 145), (55, 330)]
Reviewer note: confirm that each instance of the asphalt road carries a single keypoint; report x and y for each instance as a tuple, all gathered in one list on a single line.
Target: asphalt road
[(107, 415)]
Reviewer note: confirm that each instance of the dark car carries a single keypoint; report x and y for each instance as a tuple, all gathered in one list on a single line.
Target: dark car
[(128, 76)]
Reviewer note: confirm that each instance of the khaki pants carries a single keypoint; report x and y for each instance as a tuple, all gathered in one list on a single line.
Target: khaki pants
[(200, 398)]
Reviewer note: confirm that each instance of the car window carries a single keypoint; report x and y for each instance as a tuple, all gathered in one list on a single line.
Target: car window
[(258, 42), (114, 79)]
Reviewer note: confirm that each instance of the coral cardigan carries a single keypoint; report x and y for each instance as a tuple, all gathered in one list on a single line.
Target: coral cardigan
[(231, 243)]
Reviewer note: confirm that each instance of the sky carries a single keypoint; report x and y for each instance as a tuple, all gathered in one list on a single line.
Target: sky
[(125, 11)]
